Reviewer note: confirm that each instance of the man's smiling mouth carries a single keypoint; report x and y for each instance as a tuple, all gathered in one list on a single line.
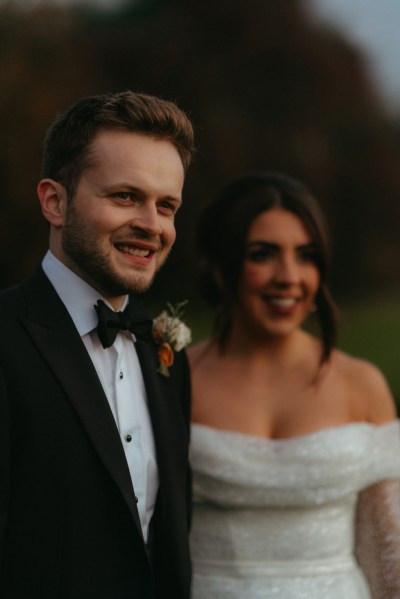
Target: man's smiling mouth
[(134, 251)]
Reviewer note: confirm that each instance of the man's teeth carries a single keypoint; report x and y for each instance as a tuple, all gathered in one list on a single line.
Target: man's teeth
[(282, 302), (134, 251)]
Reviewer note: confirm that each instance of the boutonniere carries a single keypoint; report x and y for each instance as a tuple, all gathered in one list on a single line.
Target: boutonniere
[(171, 335)]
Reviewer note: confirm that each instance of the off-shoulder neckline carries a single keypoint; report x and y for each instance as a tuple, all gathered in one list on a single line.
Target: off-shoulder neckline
[(311, 435)]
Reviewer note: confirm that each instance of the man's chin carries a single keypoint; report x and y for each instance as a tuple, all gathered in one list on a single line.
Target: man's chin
[(117, 282), (139, 285)]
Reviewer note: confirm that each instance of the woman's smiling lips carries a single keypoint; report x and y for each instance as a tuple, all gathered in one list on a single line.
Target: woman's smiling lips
[(282, 304)]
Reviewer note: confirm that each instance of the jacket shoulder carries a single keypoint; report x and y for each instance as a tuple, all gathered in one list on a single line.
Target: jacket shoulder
[(12, 301)]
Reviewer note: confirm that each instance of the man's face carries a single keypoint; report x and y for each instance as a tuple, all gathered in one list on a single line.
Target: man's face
[(119, 228)]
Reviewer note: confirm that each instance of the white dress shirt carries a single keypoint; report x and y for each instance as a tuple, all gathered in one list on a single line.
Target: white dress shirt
[(120, 374)]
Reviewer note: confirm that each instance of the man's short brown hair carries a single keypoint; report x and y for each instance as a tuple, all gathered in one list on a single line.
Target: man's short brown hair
[(66, 145)]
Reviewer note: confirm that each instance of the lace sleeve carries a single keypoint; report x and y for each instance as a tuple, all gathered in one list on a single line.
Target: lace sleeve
[(378, 538)]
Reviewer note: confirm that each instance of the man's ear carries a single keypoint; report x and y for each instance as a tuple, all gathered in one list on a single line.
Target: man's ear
[(53, 199)]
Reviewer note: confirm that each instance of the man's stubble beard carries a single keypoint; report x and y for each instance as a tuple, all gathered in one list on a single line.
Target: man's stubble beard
[(86, 259)]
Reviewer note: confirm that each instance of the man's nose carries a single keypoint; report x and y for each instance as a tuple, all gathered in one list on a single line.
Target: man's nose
[(147, 218)]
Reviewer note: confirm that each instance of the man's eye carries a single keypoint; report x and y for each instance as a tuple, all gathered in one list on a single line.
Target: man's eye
[(167, 207), (123, 195), (126, 196)]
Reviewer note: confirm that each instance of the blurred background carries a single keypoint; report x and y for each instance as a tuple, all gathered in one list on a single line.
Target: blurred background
[(308, 87)]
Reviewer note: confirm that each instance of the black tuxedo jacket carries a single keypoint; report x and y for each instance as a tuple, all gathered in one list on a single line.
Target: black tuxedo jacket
[(69, 525)]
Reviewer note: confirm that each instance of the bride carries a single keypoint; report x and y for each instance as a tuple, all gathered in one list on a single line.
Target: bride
[(295, 445)]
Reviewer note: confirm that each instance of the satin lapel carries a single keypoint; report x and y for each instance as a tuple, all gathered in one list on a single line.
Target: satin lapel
[(167, 419), (52, 330)]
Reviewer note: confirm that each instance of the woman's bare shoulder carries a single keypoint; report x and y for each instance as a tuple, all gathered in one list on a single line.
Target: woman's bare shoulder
[(365, 381), (198, 351)]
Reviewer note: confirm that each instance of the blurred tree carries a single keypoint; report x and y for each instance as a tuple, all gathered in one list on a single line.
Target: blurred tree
[(45, 66), (267, 87)]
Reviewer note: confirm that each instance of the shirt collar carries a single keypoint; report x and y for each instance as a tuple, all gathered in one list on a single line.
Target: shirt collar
[(78, 297)]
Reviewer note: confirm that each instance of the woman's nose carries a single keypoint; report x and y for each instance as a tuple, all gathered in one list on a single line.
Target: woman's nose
[(287, 271)]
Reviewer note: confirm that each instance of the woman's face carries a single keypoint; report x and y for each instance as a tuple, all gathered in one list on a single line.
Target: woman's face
[(279, 277)]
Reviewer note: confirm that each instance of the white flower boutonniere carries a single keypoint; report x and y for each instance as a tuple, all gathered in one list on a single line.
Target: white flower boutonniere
[(171, 334)]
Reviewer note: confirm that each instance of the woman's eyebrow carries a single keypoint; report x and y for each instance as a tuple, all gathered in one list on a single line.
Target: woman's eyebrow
[(266, 244), (270, 244)]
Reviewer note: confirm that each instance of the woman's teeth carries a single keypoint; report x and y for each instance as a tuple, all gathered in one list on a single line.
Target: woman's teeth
[(282, 302)]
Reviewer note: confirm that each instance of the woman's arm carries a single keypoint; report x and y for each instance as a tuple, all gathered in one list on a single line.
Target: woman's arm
[(378, 538)]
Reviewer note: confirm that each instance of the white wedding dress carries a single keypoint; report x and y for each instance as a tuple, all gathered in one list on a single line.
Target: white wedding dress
[(295, 518)]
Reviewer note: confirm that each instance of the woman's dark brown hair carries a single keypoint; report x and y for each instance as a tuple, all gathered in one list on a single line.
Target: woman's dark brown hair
[(221, 239)]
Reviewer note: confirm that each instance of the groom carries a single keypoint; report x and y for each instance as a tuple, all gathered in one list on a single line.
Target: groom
[(94, 482)]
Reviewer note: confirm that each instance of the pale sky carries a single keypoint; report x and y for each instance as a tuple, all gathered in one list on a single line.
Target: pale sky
[(374, 25)]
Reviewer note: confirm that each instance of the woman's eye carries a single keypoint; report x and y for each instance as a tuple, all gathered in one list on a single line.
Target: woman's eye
[(308, 255), (259, 255)]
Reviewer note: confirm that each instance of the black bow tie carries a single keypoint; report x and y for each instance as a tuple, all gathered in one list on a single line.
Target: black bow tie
[(133, 319)]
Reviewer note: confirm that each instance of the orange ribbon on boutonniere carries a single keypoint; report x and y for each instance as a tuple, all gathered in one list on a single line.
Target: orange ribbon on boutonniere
[(171, 335)]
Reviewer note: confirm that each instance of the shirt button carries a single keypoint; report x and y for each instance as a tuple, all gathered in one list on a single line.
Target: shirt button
[(128, 438), (121, 375)]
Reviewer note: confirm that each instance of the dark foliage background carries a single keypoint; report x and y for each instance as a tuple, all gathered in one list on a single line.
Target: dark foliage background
[(267, 87)]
